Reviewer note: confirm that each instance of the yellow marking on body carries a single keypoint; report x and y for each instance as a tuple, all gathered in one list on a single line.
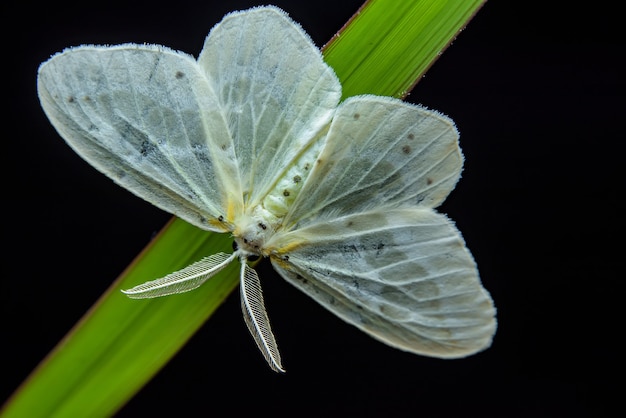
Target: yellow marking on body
[(222, 226), (291, 246), (230, 210), (282, 263)]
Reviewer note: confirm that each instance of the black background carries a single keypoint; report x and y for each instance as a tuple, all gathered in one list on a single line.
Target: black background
[(537, 93)]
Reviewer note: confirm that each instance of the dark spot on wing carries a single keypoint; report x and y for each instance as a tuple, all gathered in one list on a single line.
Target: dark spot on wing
[(349, 224), (410, 136), (286, 193), (406, 149), (179, 74), (224, 147), (146, 148), (356, 116), (120, 174), (153, 71), (429, 181), (220, 218), (71, 99), (262, 225), (351, 252), (306, 166), (297, 179), (87, 98)]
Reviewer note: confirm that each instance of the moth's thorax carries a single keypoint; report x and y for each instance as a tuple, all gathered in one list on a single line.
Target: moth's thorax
[(254, 229)]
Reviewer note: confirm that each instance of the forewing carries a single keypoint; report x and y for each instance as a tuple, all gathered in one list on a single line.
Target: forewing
[(146, 117), (380, 152), (278, 92), (404, 276)]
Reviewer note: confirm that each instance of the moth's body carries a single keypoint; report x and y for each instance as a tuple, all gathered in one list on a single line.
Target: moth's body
[(261, 220), (251, 139)]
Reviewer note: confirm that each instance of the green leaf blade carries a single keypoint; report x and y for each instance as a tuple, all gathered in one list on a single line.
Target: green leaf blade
[(399, 42)]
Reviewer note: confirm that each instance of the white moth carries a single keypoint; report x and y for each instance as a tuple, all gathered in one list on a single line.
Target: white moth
[(251, 140)]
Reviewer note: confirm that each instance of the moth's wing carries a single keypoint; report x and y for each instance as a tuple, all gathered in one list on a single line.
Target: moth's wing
[(147, 117), (380, 152), (404, 276), (278, 93)]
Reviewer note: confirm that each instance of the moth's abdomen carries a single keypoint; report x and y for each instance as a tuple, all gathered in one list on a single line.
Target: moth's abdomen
[(281, 198), (259, 222)]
